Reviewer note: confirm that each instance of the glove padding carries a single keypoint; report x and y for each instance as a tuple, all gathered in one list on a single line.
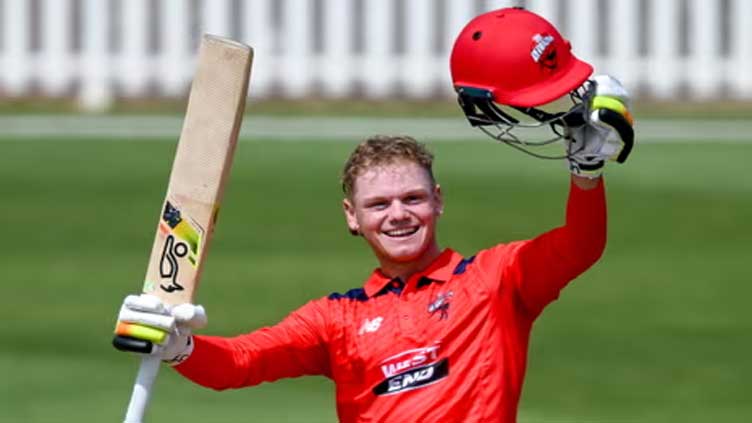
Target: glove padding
[(166, 329), (607, 133)]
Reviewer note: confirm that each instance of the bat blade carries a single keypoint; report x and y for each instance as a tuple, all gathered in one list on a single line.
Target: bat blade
[(200, 170), (199, 173)]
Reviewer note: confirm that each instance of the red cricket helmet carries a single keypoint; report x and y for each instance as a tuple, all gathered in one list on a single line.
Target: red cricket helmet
[(516, 56)]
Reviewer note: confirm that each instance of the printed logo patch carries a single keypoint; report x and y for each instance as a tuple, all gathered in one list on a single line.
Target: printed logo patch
[(543, 51), (370, 326), (182, 240), (412, 369)]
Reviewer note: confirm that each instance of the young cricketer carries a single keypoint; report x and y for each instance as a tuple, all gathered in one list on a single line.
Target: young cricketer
[(431, 335)]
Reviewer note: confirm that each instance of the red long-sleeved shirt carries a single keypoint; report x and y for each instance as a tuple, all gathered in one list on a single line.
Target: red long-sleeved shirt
[(447, 345)]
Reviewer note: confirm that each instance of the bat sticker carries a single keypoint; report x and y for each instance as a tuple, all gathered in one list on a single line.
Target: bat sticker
[(168, 264), (182, 241)]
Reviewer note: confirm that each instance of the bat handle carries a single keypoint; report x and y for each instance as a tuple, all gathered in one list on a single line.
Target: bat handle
[(147, 374)]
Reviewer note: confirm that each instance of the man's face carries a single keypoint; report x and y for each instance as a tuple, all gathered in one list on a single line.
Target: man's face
[(396, 207)]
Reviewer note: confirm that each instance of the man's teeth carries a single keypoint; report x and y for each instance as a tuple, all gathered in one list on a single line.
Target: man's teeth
[(402, 232)]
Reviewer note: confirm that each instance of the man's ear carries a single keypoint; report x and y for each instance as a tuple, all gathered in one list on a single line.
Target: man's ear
[(350, 218), (439, 199)]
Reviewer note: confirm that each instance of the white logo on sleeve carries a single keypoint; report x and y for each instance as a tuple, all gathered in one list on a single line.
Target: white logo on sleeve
[(370, 325)]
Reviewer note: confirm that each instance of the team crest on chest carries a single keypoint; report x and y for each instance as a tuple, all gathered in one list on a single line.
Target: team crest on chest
[(441, 305)]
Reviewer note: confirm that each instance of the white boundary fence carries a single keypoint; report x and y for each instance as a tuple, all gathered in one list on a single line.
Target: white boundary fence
[(97, 50)]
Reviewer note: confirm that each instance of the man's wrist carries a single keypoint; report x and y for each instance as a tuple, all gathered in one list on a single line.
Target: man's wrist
[(179, 353), (585, 183), (590, 169)]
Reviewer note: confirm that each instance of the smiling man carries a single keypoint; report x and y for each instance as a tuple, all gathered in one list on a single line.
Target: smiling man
[(432, 335), (395, 204)]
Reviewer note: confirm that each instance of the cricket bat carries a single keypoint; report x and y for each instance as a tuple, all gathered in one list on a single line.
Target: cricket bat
[(199, 174)]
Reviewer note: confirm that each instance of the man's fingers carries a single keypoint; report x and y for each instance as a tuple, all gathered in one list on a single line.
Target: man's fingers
[(190, 315), (145, 302), (603, 102), (129, 344), (607, 85), (146, 325), (160, 321), (145, 333), (607, 118)]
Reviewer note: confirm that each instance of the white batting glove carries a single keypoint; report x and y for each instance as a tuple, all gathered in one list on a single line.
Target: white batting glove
[(147, 325), (607, 133)]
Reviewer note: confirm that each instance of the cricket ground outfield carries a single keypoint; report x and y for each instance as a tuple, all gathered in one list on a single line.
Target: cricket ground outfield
[(657, 331)]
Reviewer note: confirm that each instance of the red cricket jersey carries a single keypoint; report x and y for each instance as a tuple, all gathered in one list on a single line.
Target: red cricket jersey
[(447, 345)]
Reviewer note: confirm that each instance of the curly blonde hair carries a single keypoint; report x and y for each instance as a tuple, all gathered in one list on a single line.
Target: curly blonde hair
[(382, 150)]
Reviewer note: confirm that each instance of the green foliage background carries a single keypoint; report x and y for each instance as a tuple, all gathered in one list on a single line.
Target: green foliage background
[(657, 331)]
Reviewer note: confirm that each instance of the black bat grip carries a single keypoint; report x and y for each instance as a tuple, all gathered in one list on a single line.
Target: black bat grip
[(130, 344)]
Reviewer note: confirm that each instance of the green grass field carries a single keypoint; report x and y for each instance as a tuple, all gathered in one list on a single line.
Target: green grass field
[(657, 331)]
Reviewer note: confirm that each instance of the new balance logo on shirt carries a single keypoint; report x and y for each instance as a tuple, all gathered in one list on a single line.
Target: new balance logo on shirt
[(370, 326)]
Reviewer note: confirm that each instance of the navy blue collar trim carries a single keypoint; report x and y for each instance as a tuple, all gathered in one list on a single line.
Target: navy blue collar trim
[(462, 265), (396, 285), (356, 294)]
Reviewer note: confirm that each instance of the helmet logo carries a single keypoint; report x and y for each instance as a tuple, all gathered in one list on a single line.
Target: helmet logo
[(541, 53)]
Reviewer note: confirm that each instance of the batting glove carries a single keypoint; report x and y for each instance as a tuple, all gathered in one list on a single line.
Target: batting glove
[(147, 325), (607, 133)]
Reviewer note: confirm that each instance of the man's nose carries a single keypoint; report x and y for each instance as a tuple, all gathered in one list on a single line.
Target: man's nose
[(398, 211)]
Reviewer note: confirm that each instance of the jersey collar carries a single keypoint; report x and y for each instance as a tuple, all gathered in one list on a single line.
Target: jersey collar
[(439, 270)]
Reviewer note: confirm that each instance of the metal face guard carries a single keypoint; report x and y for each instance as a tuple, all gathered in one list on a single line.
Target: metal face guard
[(484, 114)]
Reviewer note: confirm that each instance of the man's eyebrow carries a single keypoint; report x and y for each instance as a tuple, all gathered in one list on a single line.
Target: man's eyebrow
[(414, 191), (374, 198)]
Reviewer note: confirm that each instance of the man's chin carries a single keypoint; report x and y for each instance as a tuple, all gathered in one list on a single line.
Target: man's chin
[(404, 258), (403, 255), (402, 251)]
